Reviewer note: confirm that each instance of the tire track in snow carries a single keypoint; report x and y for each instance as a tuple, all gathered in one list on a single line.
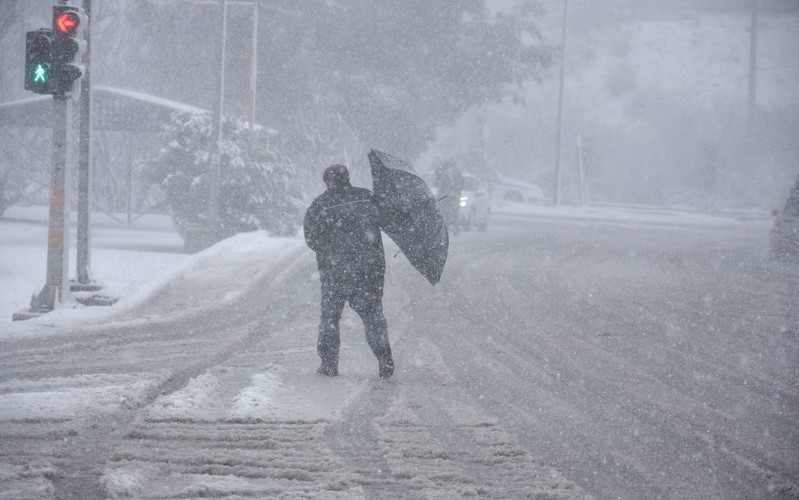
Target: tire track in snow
[(422, 436), (253, 426), (538, 333), (78, 460)]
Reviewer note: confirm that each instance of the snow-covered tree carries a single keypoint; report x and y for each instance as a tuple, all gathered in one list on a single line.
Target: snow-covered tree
[(257, 185), (393, 71)]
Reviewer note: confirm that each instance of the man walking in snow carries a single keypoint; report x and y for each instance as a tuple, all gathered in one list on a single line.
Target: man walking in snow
[(342, 227)]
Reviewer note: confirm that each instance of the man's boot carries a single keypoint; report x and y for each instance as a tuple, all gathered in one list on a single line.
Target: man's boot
[(385, 362), (386, 369), (327, 371)]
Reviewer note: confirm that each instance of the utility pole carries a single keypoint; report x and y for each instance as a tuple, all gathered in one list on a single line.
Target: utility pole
[(216, 126), (556, 198), (581, 169), (83, 274), (753, 58), (254, 71)]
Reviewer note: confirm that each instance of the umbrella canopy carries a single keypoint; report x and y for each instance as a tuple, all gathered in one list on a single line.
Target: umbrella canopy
[(409, 214)]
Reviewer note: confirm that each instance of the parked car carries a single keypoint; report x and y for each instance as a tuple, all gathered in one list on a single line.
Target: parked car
[(785, 232), (475, 203), (508, 189)]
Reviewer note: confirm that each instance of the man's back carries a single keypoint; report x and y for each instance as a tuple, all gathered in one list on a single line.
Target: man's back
[(341, 226)]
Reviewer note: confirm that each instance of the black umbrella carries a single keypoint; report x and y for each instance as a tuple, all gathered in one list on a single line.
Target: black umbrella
[(409, 214)]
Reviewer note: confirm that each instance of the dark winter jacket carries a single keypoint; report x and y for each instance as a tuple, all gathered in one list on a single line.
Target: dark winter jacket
[(342, 227)]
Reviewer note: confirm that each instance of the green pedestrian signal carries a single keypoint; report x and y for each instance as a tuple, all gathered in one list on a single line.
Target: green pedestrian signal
[(40, 74), (38, 61)]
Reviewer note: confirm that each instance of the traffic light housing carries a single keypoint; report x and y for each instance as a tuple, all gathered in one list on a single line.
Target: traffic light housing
[(66, 49), (38, 61)]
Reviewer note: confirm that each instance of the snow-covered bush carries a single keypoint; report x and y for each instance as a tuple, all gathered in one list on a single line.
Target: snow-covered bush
[(256, 185)]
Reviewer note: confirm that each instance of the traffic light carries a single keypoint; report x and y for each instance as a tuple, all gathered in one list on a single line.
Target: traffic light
[(38, 63), (67, 48)]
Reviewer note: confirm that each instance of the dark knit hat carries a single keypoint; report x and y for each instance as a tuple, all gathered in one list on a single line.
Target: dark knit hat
[(336, 175)]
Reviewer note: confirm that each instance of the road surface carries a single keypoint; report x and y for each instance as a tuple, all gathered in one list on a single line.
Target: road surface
[(553, 361)]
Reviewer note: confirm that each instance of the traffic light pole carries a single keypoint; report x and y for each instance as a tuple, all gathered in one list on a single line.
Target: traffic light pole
[(52, 66), (753, 59), (54, 290), (83, 257)]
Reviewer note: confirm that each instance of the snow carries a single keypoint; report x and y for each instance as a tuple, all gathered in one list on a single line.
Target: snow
[(627, 214), (160, 101), (139, 96), (260, 395), (145, 259), (135, 262), (56, 398)]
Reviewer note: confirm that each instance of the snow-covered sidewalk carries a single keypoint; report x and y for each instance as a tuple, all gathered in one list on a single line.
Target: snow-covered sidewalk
[(200, 383)]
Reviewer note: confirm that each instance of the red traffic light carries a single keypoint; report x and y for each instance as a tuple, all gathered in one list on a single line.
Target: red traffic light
[(66, 23)]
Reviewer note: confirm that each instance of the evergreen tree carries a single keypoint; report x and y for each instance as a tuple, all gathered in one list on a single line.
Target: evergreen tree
[(257, 189)]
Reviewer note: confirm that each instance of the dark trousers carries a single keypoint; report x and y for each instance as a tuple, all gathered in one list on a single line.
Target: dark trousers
[(364, 292)]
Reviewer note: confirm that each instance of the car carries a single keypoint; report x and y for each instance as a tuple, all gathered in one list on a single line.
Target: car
[(784, 245), (508, 189), (475, 203)]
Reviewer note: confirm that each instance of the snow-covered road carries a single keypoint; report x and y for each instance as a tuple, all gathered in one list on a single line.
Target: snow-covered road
[(553, 361), (641, 363)]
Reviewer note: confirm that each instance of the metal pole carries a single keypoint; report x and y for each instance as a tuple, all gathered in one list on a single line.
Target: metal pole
[(54, 290), (129, 182), (216, 126), (753, 58), (560, 102), (254, 72), (83, 258), (58, 232), (581, 168)]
